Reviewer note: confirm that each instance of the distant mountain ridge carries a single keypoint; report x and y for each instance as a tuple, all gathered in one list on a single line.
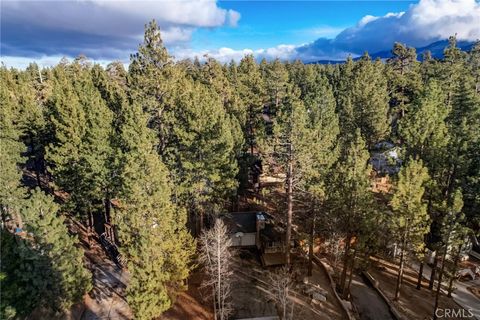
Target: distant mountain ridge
[(436, 49)]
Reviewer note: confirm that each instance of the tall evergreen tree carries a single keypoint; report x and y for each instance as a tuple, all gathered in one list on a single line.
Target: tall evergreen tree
[(369, 98), (317, 146), (423, 129), (45, 268), (151, 229), (410, 220), (353, 200), (404, 81), (285, 148), (152, 78), (276, 84), (11, 149), (250, 87), (201, 155)]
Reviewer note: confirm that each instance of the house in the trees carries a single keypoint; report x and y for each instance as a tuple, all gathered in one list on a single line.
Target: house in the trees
[(257, 230), (385, 158)]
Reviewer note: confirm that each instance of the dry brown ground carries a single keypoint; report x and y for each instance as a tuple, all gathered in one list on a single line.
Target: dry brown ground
[(271, 199), (189, 304), (413, 303)]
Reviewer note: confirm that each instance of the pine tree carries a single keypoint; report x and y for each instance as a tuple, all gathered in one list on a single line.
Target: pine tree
[(151, 229), (423, 129), (410, 220), (96, 148), (343, 82), (31, 94), (152, 79), (369, 99), (51, 235), (450, 229), (44, 268), (452, 68), (276, 84), (66, 125), (81, 125), (353, 200), (285, 147), (215, 76), (251, 89), (404, 81), (317, 146), (463, 127), (11, 148), (202, 153), (474, 64)]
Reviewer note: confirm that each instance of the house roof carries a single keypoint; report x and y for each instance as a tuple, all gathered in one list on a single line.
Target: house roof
[(245, 222)]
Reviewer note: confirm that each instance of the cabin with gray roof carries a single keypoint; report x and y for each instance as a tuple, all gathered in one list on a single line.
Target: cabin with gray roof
[(257, 230)]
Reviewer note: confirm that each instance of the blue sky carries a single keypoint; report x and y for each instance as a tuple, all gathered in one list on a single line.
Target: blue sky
[(270, 23), (106, 30)]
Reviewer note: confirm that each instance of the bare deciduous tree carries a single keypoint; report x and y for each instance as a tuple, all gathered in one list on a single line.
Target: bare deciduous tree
[(217, 258), (281, 282)]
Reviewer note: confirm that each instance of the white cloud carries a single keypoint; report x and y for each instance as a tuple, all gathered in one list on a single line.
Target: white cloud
[(100, 29), (423, 23), (324, 31), (106, 17), (224, 55), (176, 34), (442, 18), (110, 29), (420, 25), (44, 61), (233, 17)]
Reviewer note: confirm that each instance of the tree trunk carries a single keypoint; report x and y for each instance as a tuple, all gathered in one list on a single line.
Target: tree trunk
[(420, 275), (399, 277), (107, 217), (440, 275), (90, 227), (402, 262), (219, 277), (289, 209), (201, 222), (455, 266), (347, 289), (311, 244), (215, 304), (434, 268), (251, 129), (450, 286), (345, 263), (37, 173)]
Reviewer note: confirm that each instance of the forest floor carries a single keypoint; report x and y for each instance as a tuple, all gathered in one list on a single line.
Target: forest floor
[(271, 199), (413, 304), (190, 304), (253, 295), (107, 298)]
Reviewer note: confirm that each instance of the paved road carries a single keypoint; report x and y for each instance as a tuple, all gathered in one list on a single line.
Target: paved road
[(465, 298), (461, 295), (369, 304)]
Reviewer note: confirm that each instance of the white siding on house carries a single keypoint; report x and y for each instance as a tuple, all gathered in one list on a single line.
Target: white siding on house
[(243, 239)]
